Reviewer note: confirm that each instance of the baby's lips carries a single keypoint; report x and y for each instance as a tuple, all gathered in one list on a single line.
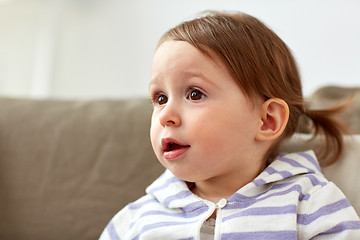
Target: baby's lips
[(167, 143)]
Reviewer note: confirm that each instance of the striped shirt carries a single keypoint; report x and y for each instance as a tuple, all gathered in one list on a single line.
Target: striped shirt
[(290, 199)]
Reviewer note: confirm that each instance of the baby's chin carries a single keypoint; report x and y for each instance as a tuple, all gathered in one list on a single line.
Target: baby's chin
[(187, 176)]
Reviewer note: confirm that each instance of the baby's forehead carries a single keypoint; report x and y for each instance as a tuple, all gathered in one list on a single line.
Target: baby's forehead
[(187, 54), (175, 55)]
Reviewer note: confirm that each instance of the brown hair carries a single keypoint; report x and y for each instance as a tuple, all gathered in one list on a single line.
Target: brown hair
[(263, 66)]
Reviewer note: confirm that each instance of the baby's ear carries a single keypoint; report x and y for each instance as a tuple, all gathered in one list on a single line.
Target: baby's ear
[(274, 117)]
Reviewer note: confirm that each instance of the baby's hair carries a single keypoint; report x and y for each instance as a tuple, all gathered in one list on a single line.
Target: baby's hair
[(263, 66)]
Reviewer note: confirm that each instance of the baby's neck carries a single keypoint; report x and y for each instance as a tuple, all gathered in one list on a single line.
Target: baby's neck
[(213, 192), (218, 188), (210, 197)]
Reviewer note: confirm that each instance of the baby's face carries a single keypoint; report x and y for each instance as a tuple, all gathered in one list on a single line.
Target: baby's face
[(203, 126)]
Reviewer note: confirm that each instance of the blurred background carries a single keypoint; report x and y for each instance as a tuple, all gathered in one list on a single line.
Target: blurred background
[(87, 49)]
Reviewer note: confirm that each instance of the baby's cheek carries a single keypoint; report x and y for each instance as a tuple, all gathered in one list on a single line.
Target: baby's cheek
[(208, 132), (154, 137)]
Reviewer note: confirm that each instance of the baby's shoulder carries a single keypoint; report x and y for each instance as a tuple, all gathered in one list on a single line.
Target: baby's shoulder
[(310, 182), (315, 190)]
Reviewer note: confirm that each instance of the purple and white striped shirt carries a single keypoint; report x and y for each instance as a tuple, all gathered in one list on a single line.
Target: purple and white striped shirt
[(290, 199)]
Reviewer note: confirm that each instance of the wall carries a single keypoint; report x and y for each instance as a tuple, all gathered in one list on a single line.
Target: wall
[(103, 48)]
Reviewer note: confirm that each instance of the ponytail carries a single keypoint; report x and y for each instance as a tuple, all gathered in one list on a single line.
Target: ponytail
[(328, 130), (331, 131)]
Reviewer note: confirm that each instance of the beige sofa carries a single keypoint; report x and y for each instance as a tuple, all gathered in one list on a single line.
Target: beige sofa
[(66, 167)]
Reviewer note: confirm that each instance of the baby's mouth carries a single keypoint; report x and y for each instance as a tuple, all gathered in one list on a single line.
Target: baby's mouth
[(172, 148)]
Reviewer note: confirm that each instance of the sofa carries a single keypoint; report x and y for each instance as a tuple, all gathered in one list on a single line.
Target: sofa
[(67, 166)]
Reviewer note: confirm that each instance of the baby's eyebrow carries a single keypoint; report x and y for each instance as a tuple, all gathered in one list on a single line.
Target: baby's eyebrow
[(153, 81), (201, 76), (185, 75)]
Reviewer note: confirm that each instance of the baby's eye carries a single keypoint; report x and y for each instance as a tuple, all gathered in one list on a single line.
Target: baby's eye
[(195, 95), (161, 99)]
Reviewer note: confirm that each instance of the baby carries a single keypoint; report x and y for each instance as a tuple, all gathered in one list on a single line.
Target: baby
[(226, 91)]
